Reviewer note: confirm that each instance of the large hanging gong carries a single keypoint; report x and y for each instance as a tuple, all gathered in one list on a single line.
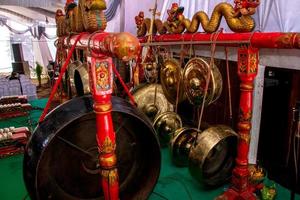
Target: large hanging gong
[(151, 100), (61, 158), (211, 159), (194, 81), (171, 80)]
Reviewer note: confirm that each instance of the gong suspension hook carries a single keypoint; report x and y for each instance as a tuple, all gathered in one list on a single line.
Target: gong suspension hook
[(228, 84), (179, 82)]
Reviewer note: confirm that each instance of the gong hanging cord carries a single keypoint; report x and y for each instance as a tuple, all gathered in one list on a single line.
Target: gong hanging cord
[(58, 81), (156, 77), (132, 101), (192, 47), (296, 151), (179, 81), (228, 84), (214, 38)]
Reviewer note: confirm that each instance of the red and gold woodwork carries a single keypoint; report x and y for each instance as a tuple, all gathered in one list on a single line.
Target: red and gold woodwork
[(101, 83), (101, 47), (247, 71)]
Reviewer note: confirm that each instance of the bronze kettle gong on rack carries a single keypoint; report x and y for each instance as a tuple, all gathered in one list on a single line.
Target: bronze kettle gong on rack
[(165, 125), (209, 154), (151, 100), (180, 145)]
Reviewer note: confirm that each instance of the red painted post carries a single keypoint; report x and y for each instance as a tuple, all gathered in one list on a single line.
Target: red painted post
[(247, 71), (101, 47), (101, 84)]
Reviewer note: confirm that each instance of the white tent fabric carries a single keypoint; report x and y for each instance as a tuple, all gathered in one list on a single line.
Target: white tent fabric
[(41, 52)]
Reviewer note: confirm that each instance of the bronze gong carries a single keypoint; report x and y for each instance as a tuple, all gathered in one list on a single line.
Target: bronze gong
[(79, 78), (194, 81), (150, 103), (211, 159), (171, 80), (61, 157), (165, 125), (180, 145)]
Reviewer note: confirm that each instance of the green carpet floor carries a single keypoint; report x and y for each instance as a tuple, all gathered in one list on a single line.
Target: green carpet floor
[(174, 183)]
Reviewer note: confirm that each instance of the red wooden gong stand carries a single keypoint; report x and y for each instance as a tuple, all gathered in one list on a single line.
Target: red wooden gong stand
[(248, 58), (101, 47)]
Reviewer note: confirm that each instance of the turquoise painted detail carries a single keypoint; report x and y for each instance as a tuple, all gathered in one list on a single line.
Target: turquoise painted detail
[(98, 18)]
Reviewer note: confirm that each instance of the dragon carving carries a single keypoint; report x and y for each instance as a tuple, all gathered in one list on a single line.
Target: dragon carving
[(238, 19), (88, 16)]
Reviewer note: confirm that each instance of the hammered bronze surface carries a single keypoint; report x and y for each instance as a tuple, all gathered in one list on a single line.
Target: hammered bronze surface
[(194, 81), (149, 103), (180, 145), (211, 159), (165, 125), (171, 80)]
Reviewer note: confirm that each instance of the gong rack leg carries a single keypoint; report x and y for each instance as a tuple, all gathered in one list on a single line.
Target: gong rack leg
[(100, 72), (240, 188)]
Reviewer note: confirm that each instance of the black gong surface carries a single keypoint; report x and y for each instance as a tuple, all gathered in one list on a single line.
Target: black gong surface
[(61, 158)]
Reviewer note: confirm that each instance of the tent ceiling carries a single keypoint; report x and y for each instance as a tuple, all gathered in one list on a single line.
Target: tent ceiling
[(30, 11), (34, 3)]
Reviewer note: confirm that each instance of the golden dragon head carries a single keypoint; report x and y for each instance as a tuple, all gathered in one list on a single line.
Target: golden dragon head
[(245, 7), (175, 14), (59, 13), (69, 6), (139, 19), (93, 4)]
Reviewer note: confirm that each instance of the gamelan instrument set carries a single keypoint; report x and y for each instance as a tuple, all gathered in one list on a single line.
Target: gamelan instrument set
[(99, 146)]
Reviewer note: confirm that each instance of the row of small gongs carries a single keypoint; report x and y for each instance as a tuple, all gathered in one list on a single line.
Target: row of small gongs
[(209, 154), (190, 82)]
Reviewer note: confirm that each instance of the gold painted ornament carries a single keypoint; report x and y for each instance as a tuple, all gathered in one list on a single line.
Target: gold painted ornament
[(194, 78), (212, 158), (150, 103), (238, 18), (165, 125), (171, 80)]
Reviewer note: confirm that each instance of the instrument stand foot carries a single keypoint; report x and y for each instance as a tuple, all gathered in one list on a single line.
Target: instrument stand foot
[(232, 194)]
